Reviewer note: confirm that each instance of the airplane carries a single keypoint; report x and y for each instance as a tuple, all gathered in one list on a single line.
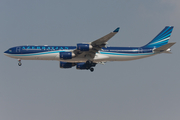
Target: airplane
[(85, 56)]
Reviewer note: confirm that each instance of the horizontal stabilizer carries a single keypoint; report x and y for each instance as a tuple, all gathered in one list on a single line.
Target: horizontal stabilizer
[(168, 52), (164, 47)]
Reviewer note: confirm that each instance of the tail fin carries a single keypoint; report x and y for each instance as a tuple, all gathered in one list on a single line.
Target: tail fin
[(161, 39)]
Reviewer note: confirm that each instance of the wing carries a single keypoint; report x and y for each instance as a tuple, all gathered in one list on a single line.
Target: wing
[(104, 39), (96, 45)]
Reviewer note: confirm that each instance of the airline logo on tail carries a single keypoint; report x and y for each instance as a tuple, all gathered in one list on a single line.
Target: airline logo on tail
[(161, 39)]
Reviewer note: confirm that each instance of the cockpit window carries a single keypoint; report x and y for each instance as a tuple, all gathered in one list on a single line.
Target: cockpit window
[(10, 50)]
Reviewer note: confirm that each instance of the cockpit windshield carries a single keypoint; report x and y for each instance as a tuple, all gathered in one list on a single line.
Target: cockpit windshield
[(10, 50)]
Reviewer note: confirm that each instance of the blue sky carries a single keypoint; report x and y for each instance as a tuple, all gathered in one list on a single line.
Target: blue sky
[(39, 90)]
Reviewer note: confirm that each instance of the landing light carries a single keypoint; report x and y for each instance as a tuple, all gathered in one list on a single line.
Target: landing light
[(168, 49)]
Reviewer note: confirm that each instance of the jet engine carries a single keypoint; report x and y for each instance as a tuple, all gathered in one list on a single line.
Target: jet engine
[(66, 55), (84, 47), (66, 65)]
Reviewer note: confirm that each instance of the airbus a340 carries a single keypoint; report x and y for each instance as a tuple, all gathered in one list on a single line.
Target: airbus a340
[(86, 56)]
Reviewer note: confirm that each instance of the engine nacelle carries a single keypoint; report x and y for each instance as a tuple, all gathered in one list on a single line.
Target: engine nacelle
[(66, 55), (84, 47), (66, 65), (85, 66)]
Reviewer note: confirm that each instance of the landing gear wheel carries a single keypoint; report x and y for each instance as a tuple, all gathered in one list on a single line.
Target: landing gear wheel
[(91, 69), (19, 64)]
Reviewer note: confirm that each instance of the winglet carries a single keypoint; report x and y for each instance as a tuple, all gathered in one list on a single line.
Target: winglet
[(116, 30)]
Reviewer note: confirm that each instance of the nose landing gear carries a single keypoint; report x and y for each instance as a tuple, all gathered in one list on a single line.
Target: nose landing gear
[(19, 62)]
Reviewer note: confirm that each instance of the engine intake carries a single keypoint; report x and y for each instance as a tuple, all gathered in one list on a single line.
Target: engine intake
[(84, 47), (66, 65), (66, 55)]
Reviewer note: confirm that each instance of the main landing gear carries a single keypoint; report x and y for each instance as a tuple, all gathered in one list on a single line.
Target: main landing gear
[(91, 69), (90, 63), (19, 62)]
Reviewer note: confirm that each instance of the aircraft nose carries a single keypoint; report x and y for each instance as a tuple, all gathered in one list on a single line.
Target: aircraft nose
[(6, 51)]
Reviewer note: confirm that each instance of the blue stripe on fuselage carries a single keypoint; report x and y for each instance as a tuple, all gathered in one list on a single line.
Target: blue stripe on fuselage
[(39, 53), (126, 54), (126, 50)]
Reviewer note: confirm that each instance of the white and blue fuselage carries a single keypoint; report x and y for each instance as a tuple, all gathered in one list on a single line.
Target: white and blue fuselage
[(53, 53), (86, 56)]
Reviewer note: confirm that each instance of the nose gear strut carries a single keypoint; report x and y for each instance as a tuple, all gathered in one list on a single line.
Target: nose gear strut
[(19, 62)]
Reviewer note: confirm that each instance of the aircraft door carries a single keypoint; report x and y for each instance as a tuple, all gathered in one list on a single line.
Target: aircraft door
[(18, 49), (140, 50)]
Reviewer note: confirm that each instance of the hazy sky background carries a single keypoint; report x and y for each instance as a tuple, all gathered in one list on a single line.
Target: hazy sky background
[(145, 89)]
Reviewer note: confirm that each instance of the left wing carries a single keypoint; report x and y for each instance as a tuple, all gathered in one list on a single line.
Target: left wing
[(94, 46)]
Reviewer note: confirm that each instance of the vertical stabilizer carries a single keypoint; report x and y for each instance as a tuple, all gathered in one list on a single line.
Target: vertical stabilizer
[(161, 39)]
